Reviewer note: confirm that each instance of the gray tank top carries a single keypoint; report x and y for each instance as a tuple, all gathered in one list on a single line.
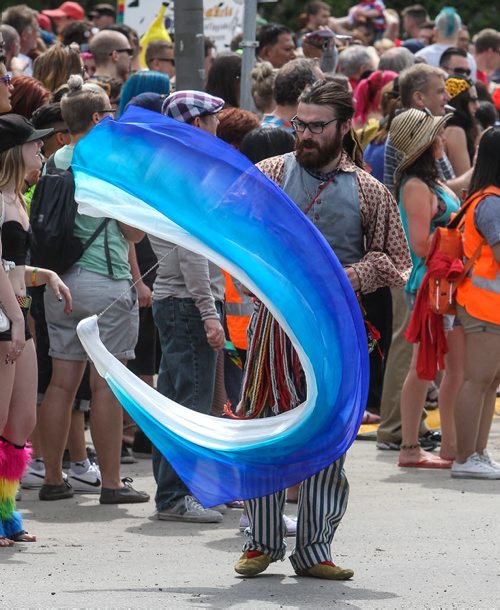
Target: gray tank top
[(335, 213)]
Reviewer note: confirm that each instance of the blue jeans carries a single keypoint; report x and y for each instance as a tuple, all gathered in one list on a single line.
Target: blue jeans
[(187, 375)]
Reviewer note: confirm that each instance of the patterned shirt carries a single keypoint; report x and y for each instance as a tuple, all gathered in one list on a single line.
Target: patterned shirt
[(387, 260)]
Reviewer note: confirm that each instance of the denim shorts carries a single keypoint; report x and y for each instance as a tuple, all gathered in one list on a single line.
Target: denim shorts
[(92, 293), (450, 321)]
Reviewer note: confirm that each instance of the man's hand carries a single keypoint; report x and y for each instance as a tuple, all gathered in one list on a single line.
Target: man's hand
[(144, 294), (215, 333), (352, 276)]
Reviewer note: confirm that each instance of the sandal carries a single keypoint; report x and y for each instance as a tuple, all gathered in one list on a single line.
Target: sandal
[(370, 418), (5, 542), (23, 536)]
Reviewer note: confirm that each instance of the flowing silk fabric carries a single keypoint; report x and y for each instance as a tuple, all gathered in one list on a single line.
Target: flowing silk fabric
[(188, 187)]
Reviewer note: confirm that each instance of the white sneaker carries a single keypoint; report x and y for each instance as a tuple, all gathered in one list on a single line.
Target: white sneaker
[(486, 457), (476, 467), (189, 509), (33, 476), (220, 508), (290, 524), (87, 483)]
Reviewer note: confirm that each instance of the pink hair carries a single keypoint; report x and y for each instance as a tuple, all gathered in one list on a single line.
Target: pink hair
[(368, 93)]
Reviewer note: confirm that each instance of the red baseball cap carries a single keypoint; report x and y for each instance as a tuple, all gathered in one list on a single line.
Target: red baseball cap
[(67, 9)]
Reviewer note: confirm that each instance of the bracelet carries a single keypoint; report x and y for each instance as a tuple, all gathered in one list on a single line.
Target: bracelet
[(33, 276), (410, 446)]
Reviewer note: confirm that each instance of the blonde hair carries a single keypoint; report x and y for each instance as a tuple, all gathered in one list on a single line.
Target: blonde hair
[(55, 66), (263, 77), (80, 103), (13, 168)]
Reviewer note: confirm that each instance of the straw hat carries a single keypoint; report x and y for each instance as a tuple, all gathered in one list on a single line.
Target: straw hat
[(413, 131)]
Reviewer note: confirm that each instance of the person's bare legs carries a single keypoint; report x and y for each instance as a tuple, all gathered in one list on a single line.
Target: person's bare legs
[(474, 408), (18, 406), (18, 395), (413, 396), (449, 389), (76, 437), (106, 422), (486, 420), (55, 415)]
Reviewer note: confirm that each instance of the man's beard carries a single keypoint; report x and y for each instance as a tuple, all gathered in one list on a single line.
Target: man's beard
[(321, 155)]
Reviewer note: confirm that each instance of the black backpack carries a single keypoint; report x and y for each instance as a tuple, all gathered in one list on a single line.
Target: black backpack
[(52, 219)]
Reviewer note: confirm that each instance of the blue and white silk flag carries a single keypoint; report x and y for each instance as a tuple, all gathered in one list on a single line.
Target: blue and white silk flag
[(188, 187)]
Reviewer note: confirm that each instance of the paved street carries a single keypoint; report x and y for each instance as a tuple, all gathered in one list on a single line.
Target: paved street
[(416, 539)]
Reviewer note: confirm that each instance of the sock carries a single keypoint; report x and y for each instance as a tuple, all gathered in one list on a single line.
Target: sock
[(80, 467)]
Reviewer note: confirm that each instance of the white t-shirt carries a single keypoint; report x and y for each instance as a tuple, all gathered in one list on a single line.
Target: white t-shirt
[(432, 55)]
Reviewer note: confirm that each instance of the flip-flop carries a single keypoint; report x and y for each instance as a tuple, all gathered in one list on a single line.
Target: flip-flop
[(428, 462), (370, 418), (235, 504)]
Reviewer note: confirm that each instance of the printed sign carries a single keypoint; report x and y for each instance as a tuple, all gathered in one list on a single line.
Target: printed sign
[(222, 20)]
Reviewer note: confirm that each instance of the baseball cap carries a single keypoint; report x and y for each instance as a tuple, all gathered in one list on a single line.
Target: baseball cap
[(67, 9), (16, 130), (187, 105), (148, 100)]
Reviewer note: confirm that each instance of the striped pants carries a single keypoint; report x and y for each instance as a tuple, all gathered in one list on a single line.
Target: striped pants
[(321, 505)]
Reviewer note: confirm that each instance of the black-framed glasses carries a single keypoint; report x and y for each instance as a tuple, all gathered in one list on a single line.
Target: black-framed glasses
[(314, 127), (54, 133), (172, 61), (106, 111), (128, 51), (6, 79)]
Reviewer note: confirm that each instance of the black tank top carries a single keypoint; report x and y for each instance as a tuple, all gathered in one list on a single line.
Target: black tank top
[(15, 242)]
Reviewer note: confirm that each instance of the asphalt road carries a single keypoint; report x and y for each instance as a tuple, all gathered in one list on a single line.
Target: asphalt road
[(416, 539)]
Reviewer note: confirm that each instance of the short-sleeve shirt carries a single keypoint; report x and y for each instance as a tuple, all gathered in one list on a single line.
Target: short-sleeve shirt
[(487, 219)]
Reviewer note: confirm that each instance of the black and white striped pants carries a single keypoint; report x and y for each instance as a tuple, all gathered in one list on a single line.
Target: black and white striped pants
[(321, 505)]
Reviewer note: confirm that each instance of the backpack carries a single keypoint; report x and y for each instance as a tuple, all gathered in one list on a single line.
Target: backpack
[(445, 262), (52, 218)]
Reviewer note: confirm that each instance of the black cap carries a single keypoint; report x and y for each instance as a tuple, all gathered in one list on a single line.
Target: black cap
[(16, 130)]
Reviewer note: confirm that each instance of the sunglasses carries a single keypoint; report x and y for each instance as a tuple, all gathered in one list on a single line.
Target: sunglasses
[(172, 61), (129, 52), (7, 79)]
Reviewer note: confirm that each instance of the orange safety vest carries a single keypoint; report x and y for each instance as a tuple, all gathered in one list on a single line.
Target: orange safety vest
[(239, 309), (479, 293)]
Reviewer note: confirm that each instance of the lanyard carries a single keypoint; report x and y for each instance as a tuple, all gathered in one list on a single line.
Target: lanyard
[(323, 187)]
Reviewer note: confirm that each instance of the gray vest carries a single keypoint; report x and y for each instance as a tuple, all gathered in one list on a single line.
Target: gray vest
[(335, 212)]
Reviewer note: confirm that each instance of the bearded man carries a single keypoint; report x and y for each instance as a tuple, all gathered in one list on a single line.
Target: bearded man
[(360, 220)]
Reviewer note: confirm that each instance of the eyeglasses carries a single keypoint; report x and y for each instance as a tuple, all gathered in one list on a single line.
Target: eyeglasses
[(465, 71), (314, 127), (54, 133), (129, 51), (473, 99), (106, 111), (172, 61), (7, 79)]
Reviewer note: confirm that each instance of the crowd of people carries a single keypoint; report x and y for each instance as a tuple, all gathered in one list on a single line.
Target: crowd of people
[(378, 125)]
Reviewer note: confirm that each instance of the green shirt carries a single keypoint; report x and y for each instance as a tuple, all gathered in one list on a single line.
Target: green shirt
[(94, 258)]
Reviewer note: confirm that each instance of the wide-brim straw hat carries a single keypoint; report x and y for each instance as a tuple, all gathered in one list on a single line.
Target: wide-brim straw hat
[(413, 131)]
